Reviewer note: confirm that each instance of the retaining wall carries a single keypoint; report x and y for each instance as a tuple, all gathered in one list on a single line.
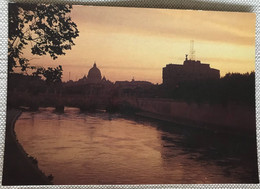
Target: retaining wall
[(223, 117)]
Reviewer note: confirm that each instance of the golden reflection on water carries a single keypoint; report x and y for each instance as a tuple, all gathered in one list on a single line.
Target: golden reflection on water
[(100, 148)]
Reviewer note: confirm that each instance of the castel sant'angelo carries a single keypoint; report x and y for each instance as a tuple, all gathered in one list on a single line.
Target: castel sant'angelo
[(189, 71)]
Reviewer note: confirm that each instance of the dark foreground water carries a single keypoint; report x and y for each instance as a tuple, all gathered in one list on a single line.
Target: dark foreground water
[(101, 148)]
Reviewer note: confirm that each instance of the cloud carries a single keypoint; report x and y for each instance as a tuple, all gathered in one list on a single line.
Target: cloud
[(235, 28)]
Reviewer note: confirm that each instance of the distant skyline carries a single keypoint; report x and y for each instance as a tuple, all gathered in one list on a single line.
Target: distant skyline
[(138, 42)]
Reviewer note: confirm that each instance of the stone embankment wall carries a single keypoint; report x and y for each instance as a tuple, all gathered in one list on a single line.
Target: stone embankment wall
[(231, 117)]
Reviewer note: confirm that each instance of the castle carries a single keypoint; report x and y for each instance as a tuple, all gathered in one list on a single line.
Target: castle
[(173, 74)]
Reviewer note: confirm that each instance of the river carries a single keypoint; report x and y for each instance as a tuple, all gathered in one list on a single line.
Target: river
[(102, 148)]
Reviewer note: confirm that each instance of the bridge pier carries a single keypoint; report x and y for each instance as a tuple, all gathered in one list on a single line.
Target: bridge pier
[(59, 108)]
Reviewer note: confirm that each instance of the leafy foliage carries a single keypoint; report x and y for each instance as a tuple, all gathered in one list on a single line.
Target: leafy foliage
[(46, 28), (52, 75)]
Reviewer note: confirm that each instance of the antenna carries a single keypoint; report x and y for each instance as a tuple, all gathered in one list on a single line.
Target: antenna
[(192, 51)]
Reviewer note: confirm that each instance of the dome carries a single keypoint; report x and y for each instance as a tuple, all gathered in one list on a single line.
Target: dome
[(94, 74)]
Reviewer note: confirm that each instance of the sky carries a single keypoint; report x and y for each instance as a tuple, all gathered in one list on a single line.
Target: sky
[(137, 43)]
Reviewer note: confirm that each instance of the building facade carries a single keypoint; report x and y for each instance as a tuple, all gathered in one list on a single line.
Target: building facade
[(173, 74)]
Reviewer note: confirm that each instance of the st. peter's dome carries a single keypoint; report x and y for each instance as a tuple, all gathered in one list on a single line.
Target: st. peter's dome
[(94, 74)]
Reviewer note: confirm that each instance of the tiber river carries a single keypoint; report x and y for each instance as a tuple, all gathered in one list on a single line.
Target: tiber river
[(102, 148)]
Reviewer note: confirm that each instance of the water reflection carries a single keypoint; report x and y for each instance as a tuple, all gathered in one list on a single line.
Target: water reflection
[(102, 148)]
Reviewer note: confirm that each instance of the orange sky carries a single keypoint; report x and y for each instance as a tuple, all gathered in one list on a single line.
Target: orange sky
[(137, 42)]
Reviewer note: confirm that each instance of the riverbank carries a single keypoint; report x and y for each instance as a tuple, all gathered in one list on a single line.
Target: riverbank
[(19, 168)]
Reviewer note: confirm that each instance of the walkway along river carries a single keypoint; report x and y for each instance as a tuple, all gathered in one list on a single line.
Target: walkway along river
[(102, 148)]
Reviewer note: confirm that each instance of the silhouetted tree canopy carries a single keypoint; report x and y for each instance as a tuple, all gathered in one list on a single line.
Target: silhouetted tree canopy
[(47, 29), (52, 75)]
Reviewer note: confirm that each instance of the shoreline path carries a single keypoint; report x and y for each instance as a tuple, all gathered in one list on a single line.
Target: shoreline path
[(18, 168)]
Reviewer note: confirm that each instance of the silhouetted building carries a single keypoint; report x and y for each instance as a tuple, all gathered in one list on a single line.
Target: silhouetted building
[(91, 85), (132, 88), (174, 74), (94, 75), (133, 84)]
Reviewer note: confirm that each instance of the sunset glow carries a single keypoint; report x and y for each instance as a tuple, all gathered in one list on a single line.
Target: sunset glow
[(137, 42)]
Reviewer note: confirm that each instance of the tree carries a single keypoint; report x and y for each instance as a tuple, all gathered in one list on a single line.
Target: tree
[(46, 28), (52, 75)]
